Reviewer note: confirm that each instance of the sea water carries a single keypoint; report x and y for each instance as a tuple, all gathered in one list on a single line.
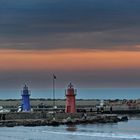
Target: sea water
[(129, 130), (82, 93)]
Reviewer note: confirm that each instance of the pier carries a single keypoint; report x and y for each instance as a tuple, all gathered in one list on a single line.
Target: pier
[(44, 118)]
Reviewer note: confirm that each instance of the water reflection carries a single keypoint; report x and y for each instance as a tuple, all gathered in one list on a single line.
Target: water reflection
[(71, 128)]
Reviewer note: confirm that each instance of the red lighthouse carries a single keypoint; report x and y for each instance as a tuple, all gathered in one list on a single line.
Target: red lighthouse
[(70, 99)]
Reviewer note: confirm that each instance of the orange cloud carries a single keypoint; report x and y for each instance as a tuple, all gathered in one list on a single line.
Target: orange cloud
[(65, 60)]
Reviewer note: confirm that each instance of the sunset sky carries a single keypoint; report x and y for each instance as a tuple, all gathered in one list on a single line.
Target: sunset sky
[(92, 43)]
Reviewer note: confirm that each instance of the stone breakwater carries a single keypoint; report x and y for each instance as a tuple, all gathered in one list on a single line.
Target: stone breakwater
[(42, 119)]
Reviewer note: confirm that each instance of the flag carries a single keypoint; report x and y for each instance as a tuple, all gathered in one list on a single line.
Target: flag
[(54, 77)]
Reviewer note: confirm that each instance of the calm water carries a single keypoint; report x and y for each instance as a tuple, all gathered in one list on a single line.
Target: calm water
[(82, 93), (122, 131)]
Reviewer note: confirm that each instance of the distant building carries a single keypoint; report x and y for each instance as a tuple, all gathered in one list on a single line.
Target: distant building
[(70, 99), (26, 99)]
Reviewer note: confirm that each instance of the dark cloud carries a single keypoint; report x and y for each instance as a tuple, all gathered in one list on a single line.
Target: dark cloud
[(43, 79), (47, 24)]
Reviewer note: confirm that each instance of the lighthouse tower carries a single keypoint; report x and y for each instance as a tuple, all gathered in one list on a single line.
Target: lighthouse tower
[(70, 99), (25, 99)]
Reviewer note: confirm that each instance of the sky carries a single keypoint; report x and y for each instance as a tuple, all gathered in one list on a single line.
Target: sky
[(91, 43)]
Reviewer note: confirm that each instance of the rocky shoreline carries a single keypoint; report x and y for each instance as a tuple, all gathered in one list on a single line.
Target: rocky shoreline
[(67, 120)]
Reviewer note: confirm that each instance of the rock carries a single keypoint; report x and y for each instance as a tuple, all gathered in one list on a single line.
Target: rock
[(54, 123), (10, 124), (91, 119), (124, 118)]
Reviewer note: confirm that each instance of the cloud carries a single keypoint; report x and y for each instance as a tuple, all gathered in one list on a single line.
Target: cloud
[(93, 24), (127, 39), (67, 60), (86, 68), (82, 79)]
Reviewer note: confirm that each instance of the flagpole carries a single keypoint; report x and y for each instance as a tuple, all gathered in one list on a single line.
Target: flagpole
[(53, 91)]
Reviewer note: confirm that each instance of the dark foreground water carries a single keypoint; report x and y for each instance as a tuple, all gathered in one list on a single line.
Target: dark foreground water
[(121, 131)]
